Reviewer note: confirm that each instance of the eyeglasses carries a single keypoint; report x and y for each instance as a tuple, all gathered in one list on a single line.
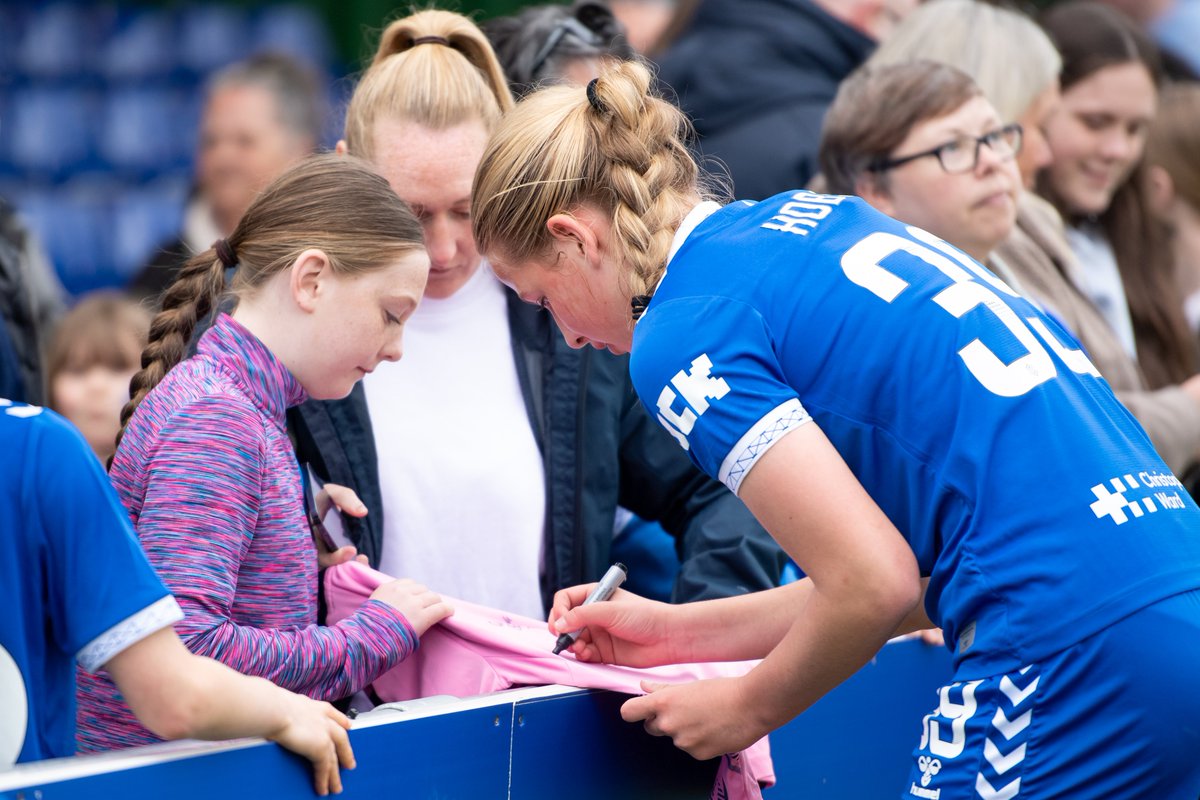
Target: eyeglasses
[(962, 154), (569, 25)]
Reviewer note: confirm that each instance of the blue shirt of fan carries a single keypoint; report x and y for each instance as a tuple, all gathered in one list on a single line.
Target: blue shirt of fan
[(72, 570), (1031, 498)]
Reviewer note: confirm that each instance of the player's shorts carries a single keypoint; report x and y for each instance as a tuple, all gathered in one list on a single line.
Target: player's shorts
[(1115, 716)]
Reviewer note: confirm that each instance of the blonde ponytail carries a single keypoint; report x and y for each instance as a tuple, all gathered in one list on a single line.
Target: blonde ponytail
[(435, 68)]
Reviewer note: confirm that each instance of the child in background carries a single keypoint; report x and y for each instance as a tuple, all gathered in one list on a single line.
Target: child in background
[(329, 265), (93, 355)]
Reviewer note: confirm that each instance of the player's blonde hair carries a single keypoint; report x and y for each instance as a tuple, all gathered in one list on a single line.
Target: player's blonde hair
[(614, 146)]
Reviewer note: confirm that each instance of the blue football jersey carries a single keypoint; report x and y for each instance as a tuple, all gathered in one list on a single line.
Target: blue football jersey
[(74, 583), (1031, 498)]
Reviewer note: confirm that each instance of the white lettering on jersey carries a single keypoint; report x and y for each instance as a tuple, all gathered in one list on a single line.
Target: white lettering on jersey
[(802, 212), (1006, 380), (697, 387), (863, 264)]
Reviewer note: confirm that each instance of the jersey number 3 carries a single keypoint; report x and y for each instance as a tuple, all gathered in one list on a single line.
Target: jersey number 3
[(862, 264)]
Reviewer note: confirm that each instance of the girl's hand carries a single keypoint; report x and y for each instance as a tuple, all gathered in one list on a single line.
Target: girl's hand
[(422, 608), (343, 498), (705, 719), (317, 731), (625, 629)]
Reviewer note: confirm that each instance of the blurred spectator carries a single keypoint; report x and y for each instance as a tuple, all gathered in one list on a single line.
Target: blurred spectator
[(644, 21), (94, 353), (556, 44), (262, 115), (757, 75), (31, 299), (1017, 67), (1110, 79), (1173, 158)]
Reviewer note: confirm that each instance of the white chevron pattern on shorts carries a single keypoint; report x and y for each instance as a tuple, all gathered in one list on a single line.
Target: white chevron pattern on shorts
[(1021, 713), (1000, 762), (1007, 792), (1015, 695), (1011, 728)]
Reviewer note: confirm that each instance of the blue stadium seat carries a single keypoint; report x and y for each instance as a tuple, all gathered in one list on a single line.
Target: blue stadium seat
[(138, 132), (142, 45), (143, 218), (51, 129), (12, 31), (99, 113), (296, 31), (73, 222), (211, 36), (60, 39)]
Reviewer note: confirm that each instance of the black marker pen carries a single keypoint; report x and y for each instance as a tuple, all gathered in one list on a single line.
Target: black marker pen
[(604, 589)]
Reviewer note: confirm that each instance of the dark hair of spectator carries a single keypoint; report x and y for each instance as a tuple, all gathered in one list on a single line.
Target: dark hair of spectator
[(1091, 36), (536, 45)]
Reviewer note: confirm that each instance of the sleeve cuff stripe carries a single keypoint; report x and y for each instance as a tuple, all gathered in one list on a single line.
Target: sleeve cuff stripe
[(151, 619), (780, 420)]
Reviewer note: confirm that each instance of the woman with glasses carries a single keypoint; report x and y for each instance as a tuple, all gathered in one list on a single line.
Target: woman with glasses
[(921, 143), (906, 426)]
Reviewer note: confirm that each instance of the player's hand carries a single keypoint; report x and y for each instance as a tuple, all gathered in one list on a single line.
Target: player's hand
[(625, 629), (317, 731), (421, 607), (705, 719)]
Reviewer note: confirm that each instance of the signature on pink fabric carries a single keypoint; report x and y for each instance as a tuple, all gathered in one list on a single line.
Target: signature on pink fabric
[(481, 650)]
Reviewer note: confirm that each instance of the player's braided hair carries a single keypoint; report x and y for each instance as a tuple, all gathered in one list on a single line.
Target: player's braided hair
[(336, 204), (643, 164), (613, 145)]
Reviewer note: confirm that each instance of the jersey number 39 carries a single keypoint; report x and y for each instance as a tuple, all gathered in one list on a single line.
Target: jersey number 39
[(862, 264)]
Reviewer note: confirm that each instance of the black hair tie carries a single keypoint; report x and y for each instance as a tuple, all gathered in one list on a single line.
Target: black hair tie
[(442, 40), (638, 305), (594, 99), (225, 253)]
